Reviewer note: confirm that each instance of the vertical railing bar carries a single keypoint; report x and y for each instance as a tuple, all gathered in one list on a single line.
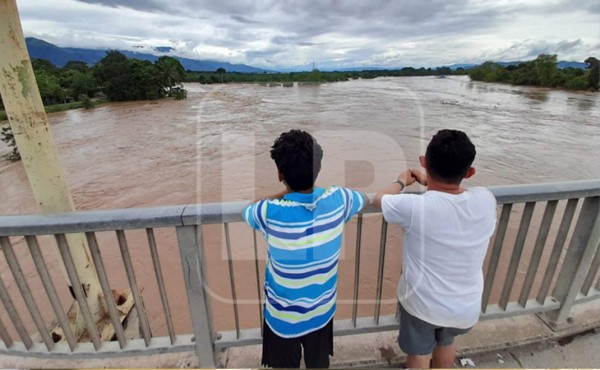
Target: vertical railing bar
[(380, 270), (32, 306), (8, 342), (191, 247), (258, 286), (232, 280), (80, 295), (42, 270), (591, 275), (495, 256), (161, 283), (106, 290), (516, 254), (13, 314), (357, 268), (559, 242), (139, 305), (578, 258), (538, 249)]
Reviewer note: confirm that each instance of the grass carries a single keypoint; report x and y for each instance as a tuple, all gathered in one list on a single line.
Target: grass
[(60, 107)]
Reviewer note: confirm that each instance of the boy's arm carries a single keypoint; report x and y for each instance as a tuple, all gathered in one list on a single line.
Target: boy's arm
[(355, 202), (366, 200), (253, 213), (404, 179)]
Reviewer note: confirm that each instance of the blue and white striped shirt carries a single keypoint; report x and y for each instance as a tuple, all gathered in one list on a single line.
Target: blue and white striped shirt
[(304, 237)]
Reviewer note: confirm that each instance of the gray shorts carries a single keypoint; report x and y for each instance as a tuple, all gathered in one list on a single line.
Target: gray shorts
[(418, 337)]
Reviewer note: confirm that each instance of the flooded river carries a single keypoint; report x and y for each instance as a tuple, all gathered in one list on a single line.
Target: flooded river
[(214, 147)]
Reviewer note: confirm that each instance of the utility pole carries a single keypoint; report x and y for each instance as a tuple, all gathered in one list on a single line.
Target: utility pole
[(31, 130)]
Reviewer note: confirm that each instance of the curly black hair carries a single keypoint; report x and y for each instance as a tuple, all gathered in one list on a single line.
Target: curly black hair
[(298, 157), (449, 156)]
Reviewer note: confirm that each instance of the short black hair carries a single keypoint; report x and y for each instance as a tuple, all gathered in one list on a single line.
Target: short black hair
[(298, 156), (449, 156)]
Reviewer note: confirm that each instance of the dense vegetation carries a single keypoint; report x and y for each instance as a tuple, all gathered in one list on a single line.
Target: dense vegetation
[(540, 72), (221, 76), (115, 77)]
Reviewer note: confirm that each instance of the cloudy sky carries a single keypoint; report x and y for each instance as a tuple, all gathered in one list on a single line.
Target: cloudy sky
[(332, 33)]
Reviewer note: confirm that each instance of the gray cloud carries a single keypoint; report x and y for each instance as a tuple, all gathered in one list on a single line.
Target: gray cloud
[(529, 49), (242, 19), (274, 33)]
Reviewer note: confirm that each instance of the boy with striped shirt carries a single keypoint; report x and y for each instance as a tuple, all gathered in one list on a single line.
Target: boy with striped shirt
[(303, 228)]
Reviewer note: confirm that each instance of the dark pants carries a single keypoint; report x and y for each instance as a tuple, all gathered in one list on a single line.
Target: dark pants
[(281, 352)]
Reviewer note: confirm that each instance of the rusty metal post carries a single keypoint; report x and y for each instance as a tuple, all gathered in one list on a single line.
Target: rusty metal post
[(30, 127)]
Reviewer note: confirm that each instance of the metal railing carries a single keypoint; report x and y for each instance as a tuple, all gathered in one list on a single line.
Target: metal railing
[(168, 262)]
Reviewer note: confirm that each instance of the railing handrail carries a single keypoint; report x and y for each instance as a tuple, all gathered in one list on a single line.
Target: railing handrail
[(546, 191), (211, 213)]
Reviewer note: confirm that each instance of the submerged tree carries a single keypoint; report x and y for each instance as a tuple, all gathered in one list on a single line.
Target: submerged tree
[(545, 66), (171, 73), (594, 77), (114, 73), (221, 71)]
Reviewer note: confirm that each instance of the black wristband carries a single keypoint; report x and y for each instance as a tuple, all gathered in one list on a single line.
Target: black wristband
[(397, 181)]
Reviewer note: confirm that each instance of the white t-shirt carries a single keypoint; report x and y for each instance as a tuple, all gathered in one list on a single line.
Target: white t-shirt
[(446, 237)]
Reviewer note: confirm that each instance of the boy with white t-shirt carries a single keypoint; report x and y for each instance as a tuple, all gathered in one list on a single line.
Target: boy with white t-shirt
[(447, 230)]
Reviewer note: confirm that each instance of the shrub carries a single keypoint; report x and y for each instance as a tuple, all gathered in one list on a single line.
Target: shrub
[(577, 83), (86, 102)]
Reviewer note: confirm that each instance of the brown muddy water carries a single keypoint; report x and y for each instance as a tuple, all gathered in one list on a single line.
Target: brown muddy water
[(214, 147)]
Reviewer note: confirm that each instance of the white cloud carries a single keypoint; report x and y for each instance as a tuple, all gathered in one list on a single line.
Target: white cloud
[(279, 33)]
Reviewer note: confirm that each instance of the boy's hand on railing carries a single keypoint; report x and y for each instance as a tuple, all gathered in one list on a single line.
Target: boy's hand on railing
[(419, 176), (407, 178)]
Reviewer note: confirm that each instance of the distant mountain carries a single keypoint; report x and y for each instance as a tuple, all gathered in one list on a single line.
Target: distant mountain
[(45, 50), (454, 67), (506, 64), (60, 56), (563, 64)]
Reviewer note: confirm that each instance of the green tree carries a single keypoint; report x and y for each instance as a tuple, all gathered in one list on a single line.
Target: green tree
[(114, 73), (171, 72), (594, 77), (545, 66), (78, 83), (76, 65), (221, 71), (50, 89), (132, 79), (488, 72), (44, 65), (146, 83)]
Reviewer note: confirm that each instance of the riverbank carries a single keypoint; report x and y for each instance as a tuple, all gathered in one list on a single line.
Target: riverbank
[(541, 72), (60, 108)]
